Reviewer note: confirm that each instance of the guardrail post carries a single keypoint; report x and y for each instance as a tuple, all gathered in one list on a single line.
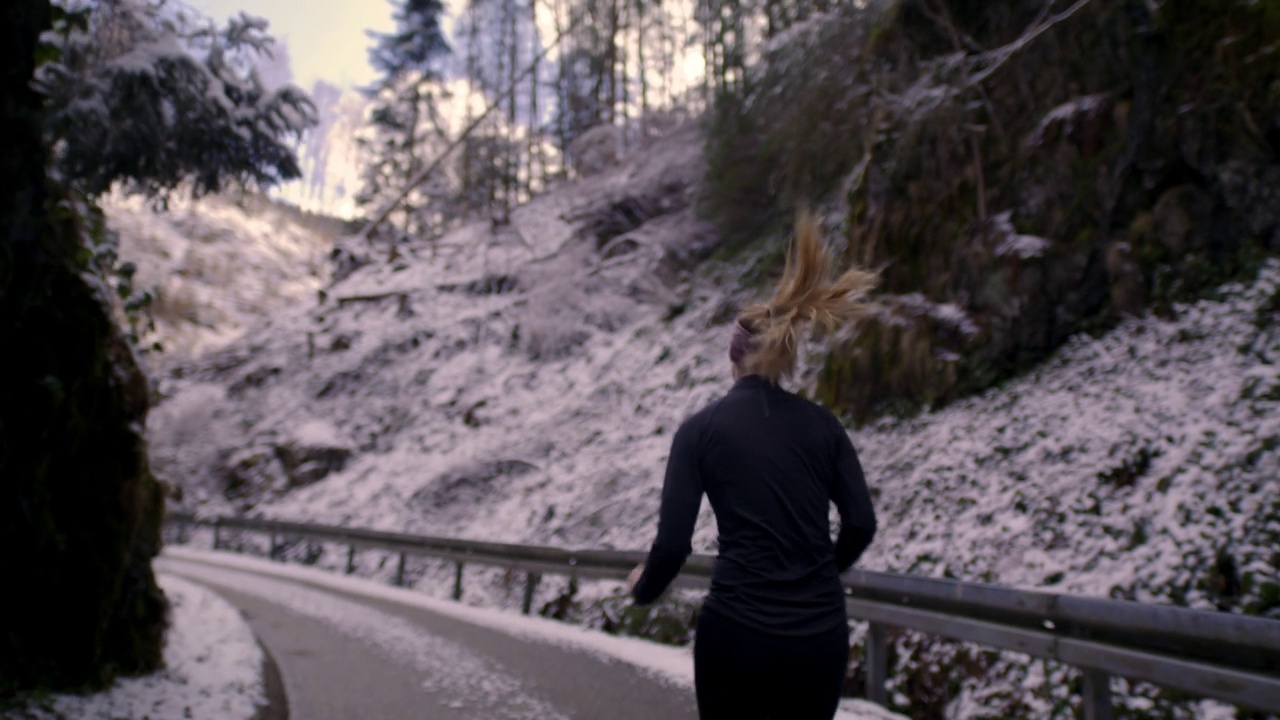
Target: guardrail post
[(275, 547), (530, 585), (457, 580), (1095, 692), (877, 663), (351, 558), (217, 534), (400, 572)]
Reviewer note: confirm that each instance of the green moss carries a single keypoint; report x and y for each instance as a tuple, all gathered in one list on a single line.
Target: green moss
[(1092, 176), (1267, 601), (90, 506)]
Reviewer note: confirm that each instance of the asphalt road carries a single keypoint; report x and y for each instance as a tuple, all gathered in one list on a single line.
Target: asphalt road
[(342, 656)]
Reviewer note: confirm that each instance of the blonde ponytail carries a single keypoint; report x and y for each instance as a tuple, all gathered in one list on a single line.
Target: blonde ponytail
[(806, 294)]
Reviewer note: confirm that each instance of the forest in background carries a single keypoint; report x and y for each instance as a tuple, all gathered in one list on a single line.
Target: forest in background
[(1017, 172), (525, 93)]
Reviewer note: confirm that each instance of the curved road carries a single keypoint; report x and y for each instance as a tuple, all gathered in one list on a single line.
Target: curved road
[(342, 655)]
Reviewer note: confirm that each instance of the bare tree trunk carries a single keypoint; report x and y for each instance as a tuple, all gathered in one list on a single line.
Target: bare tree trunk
[(418, 179), (562, 93), (511, 149), (534, 151), (622, 40), (640, 62), (468, 178), (411, 146)]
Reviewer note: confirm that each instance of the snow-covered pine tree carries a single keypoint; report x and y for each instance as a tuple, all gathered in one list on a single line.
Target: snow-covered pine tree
[(149, 95)]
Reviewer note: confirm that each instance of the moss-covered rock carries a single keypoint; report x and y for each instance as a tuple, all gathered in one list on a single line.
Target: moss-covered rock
[(1045, 183), (79, 509)]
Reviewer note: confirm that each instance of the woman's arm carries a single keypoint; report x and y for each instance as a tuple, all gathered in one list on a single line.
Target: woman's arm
[(853, 501), (681, 499)]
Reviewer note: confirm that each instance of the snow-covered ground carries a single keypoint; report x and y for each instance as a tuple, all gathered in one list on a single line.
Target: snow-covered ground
[(522, 382), (507, 365), (212, 669), (1133, 464), (220, 265)]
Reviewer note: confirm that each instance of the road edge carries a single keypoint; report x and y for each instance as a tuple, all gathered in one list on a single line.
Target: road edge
[(277, 707)]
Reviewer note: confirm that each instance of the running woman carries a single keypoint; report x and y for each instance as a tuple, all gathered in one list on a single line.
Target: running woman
[(772, 637)]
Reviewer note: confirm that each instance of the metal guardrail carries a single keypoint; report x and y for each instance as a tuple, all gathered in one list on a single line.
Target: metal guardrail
[(1229, 657)]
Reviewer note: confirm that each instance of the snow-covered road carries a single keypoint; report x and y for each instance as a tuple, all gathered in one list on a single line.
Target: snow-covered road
[(346, 647), (343, 655)]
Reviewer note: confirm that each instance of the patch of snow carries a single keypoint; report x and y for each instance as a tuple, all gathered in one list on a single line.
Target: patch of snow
[(212, 669), (1013, 244), (218, 266), (318, 433), (1068, 113)]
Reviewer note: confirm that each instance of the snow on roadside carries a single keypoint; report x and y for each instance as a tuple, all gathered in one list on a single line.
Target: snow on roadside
[(673, 665), (474, 684), (212, 669), (1127, 465)]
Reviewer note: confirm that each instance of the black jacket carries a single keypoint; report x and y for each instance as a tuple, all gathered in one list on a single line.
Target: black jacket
[(770, 462)]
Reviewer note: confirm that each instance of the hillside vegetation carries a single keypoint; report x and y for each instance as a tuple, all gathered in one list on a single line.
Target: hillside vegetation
[(80, 511), (99, 96), (1018, 172)]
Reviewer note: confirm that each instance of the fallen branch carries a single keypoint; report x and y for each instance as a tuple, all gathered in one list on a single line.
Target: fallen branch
[(349, 299), (1001, 55)]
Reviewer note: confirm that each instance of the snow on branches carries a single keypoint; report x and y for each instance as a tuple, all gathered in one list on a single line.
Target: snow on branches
[(146, 95)]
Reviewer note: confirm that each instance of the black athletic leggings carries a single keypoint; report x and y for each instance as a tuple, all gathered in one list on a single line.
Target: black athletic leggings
[(744, 674)]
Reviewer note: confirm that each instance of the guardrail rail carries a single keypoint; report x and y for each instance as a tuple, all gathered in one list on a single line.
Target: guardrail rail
[(1230, 657)]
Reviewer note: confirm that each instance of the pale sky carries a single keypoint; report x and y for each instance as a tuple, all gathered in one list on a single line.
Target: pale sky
[(326, 38)]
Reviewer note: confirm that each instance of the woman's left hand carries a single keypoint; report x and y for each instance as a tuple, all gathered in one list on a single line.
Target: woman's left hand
[(634, 578)]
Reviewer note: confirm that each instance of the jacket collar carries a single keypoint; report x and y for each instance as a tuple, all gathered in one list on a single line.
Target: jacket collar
[(749, 382)]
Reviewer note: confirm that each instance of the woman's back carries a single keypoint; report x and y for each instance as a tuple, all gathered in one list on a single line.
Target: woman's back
[(770, 462)]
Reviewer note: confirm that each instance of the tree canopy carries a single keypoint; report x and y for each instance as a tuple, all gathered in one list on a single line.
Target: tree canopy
[(149, 96)]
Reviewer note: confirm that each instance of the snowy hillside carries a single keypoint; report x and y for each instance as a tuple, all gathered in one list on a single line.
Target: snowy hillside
[(522, 383), (220, 265), (516, 364), (1141, 464)]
